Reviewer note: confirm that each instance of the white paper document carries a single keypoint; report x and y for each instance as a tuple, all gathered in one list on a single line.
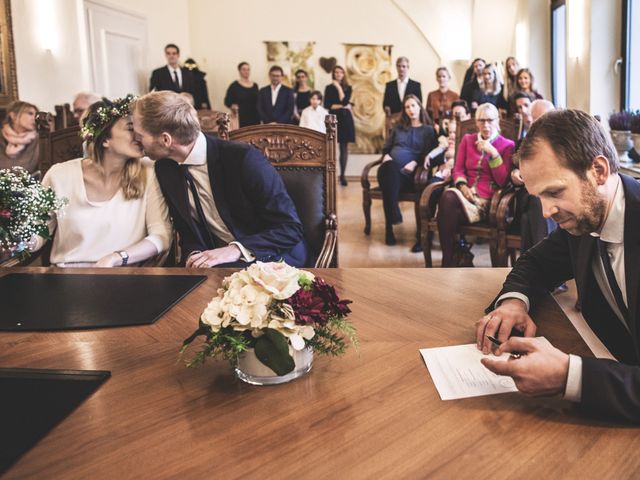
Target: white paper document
[(457, 372)]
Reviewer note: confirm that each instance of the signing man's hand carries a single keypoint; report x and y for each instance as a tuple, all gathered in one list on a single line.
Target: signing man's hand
[(542, 370), (211, 258), (512, 313)]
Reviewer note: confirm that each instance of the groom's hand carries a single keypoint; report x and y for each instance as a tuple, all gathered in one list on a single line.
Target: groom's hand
[(211, 258), (512, 313)]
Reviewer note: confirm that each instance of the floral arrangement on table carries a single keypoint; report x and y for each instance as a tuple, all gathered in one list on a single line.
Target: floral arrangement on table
[(275, 309), (25, 207)]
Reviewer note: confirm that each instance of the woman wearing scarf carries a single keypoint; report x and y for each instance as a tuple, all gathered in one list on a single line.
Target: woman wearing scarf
[(19, 139), (483, 165)]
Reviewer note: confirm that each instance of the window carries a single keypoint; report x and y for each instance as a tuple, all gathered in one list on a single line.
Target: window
[(559, 53), (630, 98)]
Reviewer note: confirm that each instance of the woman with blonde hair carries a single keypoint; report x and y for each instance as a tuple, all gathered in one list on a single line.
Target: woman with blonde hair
[(19, 138), (491, 90), (116, 214)]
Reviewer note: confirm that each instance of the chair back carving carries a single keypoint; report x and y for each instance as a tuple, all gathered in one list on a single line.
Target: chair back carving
[(209, 121), (64, 117), (56, 146), (306, 161)]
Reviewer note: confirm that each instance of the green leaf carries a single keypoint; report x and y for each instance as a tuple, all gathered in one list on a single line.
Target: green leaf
[(272, 349)]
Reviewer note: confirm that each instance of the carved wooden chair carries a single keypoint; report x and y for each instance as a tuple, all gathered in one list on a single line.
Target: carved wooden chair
[(427, 204), (306, 160), (209, 121), (370, 193), (58, 145), (64, 117)]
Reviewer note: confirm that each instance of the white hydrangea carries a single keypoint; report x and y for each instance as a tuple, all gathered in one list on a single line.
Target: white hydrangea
[(246, 302)]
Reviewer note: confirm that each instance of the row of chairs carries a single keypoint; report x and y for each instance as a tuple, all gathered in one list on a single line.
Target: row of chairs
[(305, 159), (499, 228)]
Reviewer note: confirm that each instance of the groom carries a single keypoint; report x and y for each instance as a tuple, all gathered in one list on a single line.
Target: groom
[(228, 203)]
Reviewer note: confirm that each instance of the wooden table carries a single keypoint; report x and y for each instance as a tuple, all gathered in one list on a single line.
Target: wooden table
[(372, 414)]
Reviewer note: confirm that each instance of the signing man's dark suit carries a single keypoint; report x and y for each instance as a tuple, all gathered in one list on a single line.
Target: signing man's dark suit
[(281, 111), (249, 196), (609, 389), (161, 79), (392, 96)]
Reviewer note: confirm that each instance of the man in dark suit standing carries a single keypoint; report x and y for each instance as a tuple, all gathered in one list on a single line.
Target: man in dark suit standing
[(568, 161), (396, 90), (226, 200), (172, 76), (275, 102)]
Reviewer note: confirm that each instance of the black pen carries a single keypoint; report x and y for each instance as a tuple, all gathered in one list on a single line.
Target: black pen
[(497, 343)]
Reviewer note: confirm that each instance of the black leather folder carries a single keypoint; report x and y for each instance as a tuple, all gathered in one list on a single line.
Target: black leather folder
[(32, 402), (49, 301)]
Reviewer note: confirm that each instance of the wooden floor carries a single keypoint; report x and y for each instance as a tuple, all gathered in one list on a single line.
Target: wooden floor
[(359, 250)]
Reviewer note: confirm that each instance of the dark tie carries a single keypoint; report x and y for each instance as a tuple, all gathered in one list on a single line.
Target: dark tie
[(611, 278), (175, 78), (202, 227)]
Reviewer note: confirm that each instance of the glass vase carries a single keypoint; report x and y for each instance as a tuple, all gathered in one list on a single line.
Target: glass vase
[(251, 370)]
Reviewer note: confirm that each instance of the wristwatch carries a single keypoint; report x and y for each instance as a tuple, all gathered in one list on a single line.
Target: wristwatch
[(124, 255)]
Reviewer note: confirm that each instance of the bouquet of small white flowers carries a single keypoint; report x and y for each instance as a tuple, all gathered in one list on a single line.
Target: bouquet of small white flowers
[(25, 207), (275, 309)]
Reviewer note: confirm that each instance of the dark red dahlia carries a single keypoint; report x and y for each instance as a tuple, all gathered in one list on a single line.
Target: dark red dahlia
[(318, 304)]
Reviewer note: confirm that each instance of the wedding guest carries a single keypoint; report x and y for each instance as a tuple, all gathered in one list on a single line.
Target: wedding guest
[(337, 98), (474, 84), (275, 101), (172, 76), (490, 92), (189, 98), (408, 144), (510, 86), (301, 93), (460, 111), (439, 101), (228, 203), (19, 139), (116, 214), (200, 89), (81, 102), (314, 115), (524, 80), (483, 164), (242, 97), (533, 226), (396, 90)]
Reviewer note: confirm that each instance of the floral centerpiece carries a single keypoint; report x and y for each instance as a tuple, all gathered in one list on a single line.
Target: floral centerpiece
[(277, 313), (25, 207)]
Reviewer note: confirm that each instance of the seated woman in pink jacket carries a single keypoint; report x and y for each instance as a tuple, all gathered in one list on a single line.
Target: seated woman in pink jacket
[(483, 164)]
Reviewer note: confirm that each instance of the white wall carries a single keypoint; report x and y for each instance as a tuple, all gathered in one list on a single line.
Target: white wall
[(50, 37), (219, 44), (53, 64)]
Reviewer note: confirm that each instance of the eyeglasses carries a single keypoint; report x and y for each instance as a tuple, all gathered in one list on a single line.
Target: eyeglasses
[(485, 120)]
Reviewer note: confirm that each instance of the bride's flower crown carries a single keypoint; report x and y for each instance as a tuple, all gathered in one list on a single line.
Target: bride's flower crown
[(94, 124)]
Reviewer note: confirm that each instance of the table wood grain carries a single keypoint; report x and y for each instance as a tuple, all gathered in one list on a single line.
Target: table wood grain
[(374, 413)]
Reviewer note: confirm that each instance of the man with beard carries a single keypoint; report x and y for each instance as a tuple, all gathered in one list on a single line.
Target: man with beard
[(227, 202), (568, 161)]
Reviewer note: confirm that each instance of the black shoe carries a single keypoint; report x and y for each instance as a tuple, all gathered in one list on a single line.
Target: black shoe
[(389, 238), (343, 182), (417, 248)]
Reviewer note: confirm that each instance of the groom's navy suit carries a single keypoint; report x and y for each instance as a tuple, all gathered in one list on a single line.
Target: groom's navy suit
[(609, 389), (250, 197)]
